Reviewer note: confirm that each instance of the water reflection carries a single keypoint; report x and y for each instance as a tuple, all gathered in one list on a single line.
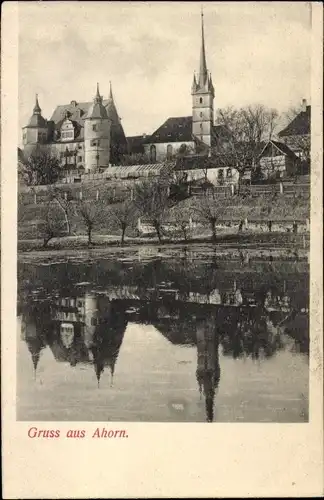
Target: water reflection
[(83, 321)]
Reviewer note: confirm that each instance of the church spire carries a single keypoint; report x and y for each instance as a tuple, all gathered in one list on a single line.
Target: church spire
[(203, 65), (98, 97), (37, 109), (110, 91)]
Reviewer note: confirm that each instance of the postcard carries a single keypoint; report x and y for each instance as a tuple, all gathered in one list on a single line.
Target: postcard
[(162, 329)]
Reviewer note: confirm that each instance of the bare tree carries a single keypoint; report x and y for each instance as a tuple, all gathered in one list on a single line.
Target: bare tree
[(65, 201), (52, 225), (181, 217), (123, 214), (93, 213), (211, 209), (21, 210), (152, 200), (244, 132)]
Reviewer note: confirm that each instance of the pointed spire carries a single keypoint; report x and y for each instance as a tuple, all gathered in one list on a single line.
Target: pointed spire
[(37, 109), (203, 65), (210, 85), (99, 368), (110, 91), (35, 359), (194, 84), (98, 97)]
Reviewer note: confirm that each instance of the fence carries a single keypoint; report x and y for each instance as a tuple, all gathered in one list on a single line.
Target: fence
[(145, 225), (119, 191)]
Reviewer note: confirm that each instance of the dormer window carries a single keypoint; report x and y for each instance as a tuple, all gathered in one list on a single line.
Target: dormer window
[(67, 130)]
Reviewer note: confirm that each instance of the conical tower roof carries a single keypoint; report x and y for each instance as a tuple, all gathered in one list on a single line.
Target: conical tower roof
[(97, 109), (111, 109), (36, 120)]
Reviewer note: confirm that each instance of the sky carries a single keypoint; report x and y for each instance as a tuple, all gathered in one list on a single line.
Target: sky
[(257, 53)]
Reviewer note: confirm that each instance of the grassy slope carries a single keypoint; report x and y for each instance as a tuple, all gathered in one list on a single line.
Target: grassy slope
[(237, 208)]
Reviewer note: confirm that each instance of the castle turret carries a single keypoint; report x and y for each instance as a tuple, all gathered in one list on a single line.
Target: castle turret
[(36, 131), (97, 136), (202, 92)]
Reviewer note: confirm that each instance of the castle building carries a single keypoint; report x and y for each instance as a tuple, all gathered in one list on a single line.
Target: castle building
[(86, 136)]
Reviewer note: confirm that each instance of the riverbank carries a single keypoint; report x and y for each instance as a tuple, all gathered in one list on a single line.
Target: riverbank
[(270, 246)]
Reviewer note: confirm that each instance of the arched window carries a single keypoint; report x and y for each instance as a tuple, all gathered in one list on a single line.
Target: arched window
[(169, 151), (201, 100), (153, 153), (183, 149)]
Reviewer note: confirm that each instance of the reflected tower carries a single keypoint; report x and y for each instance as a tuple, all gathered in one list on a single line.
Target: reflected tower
[(107, 340), (208, 369)]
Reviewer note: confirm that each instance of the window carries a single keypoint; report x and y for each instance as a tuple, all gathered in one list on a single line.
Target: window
[(95, 142), (94, 127), (93, 321), (201, 114), (200, 100), (220, 174), (201, 126), (229, 172), (153, 153), (79, 158), (169, 151)]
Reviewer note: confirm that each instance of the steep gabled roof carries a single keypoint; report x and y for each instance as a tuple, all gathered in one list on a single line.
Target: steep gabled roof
[(78, 112), (281, 147), (178, 129), (300, 125), (175, 129)]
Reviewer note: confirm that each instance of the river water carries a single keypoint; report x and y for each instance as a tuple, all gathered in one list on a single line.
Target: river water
[(188, 336)]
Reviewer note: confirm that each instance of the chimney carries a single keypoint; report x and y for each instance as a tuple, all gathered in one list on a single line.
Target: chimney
[(304, 104)]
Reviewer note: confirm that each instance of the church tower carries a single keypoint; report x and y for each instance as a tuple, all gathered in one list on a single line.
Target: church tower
[(202, 92), (96, 136)]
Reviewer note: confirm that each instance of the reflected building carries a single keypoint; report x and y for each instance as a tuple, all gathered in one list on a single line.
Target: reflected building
[(33, 332), (208, 368), (107, 341)]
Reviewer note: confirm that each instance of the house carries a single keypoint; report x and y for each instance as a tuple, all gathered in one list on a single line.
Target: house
[(219, 169), (297, 135), (277, 161)]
